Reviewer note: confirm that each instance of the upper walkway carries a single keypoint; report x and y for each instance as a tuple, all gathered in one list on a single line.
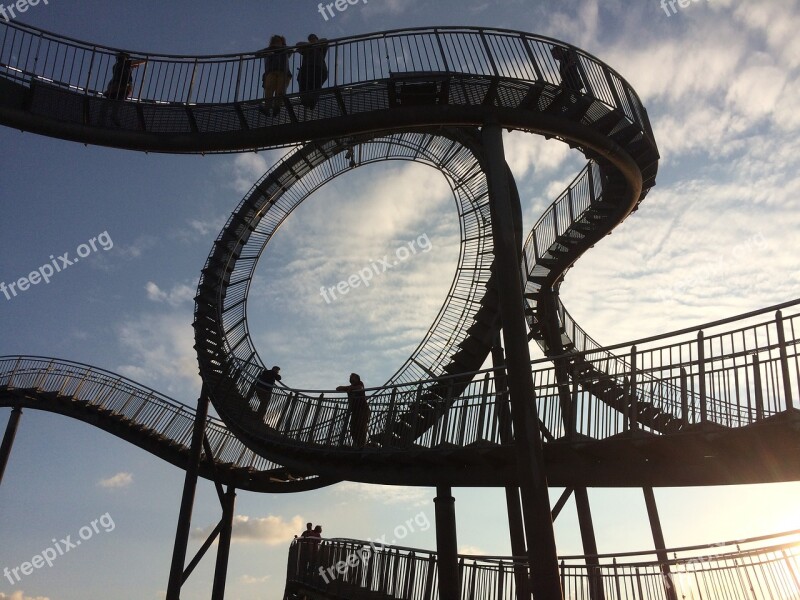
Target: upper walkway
[(386, 81)]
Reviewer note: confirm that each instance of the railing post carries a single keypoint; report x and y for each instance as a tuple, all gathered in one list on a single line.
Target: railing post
[(792, 571), (191, 83), (634, 402), (759, 392), (626, 409), (89, 73), (787, 382), (428, 594), (441, 49), (616, 581), (238, 81), (701, 374), (684, 398)]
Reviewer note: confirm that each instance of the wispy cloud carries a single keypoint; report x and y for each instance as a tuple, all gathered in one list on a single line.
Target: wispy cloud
[(161, 352), (120, 480), (271, 530), (386, 494), (179, 294), (250, 580)]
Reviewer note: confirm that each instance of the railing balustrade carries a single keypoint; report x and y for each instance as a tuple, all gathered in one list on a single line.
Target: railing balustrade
[(760, 568), (125, 399), (34, 57), (670, 362)]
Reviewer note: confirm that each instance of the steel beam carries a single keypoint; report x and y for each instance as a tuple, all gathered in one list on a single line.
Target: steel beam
[(187, 501), (447, 544), (8, 439), (224, 547), (658, 540), (545, 579)]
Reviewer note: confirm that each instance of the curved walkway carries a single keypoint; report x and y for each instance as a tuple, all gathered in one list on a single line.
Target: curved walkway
[(142, 417)]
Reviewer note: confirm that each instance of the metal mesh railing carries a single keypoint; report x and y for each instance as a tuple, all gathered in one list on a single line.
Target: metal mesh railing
[(34, 57), (125, 399), (762, 568), (745, 393)]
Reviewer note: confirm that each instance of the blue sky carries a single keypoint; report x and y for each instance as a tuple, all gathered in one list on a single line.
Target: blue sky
[(715, 237)]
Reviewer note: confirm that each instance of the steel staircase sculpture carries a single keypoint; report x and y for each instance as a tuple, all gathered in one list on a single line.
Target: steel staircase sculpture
[(706, 405)]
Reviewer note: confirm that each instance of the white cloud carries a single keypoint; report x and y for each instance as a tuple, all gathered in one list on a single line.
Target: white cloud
[(270, 530), (472, 550), (120, 480), (161, 352), (250, 580), (250, 167), (386, 494), (179, 294)]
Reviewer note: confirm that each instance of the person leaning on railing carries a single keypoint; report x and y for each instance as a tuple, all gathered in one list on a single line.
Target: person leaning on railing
[(121, 85), (313, 71), (276, 73), (264, 385), (358, 409)]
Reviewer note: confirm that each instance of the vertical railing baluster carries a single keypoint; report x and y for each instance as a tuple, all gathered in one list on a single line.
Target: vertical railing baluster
[(758, 390), (701, 374), (684, 398), (634, 402), (191, 83), (238, 80), (787, 384)]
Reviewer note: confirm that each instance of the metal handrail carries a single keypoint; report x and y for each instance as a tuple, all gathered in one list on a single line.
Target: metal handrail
[(168, 79), (480, 396), (340, 565), (152, 412)]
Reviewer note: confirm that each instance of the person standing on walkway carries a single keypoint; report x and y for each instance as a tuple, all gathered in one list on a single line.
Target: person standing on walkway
[(313, 70), (264, 385), (276, 73), (358, 409)]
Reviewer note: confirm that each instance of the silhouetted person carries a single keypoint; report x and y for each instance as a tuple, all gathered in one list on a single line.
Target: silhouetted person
[(314, 540), (568, 67), (264, 385), (304, 546), (276, 73), (121, 85), (313, 71), (358, 408)]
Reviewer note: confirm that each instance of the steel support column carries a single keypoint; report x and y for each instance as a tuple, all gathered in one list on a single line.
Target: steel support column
[(187, 501), (589, 543), (658, 540), (447, 544), (224, 546), (515, 525), (545, 580), (8, 439)]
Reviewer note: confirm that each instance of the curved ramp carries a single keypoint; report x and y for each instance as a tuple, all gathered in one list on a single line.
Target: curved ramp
[(142, 417)]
